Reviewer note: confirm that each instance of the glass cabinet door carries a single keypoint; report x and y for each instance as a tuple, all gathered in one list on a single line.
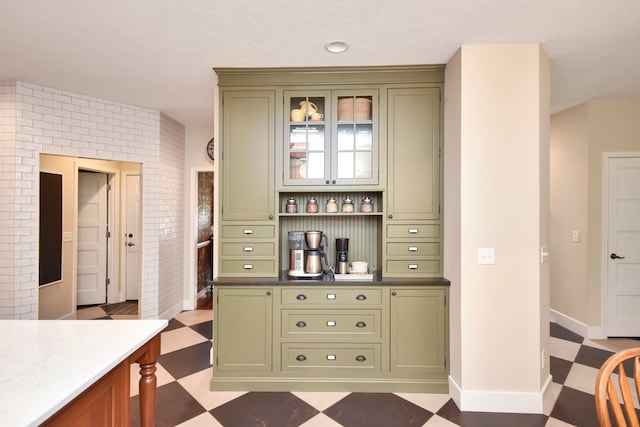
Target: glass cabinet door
[(355, 154), (307, 160)]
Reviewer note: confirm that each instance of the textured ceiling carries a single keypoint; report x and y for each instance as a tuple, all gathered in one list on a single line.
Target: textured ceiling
[(160, 53)]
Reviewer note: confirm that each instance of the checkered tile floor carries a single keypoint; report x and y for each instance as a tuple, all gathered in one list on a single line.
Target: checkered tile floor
[(184, 399)]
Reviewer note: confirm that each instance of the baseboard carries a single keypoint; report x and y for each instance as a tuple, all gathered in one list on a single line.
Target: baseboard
[(491, 401), (171, 312), (592, 332)]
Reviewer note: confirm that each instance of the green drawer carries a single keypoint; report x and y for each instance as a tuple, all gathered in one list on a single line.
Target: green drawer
[(326, 357), (247, 231), (248, 267), (331, 296), (413, 230), (247, 249), (331, 324), (418, 249), (413, 267)]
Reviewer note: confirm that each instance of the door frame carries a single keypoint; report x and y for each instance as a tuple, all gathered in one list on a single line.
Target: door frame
[(605, 232), (191, 283), (113, 196)]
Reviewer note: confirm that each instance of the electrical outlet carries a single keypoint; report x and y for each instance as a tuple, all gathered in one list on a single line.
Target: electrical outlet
[(544, 358), (486, 256)]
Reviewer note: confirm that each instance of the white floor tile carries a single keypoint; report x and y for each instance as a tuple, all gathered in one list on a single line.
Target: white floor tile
[(203, 420), (550, 397), (198, 386), (193, 317), (177, 339), (162, 377), (438, 421), (321, 420), (320, 401), (430, 402), (553, 422), (582, 377), (563, 349)]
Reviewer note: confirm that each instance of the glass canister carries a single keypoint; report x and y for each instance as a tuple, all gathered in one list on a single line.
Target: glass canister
[(347, 205), (292, 206), (332, 205), (312, 205), (366, 206)]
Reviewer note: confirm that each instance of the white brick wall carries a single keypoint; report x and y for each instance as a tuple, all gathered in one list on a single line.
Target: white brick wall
[(36, 119)]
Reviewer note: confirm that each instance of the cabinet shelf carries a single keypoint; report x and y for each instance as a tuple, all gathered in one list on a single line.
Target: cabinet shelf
[(325, 214)]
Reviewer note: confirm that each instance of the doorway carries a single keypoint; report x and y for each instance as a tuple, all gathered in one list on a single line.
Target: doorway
[(204, 245), (622, 240)]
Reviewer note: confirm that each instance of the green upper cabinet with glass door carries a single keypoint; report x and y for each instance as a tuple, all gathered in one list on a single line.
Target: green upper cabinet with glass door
[(331, 138)]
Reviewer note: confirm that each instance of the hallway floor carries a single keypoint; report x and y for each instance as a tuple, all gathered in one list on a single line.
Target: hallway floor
[(184, 399)]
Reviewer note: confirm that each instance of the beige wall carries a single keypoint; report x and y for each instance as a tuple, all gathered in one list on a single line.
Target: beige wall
[(579, 137), (497, 143)]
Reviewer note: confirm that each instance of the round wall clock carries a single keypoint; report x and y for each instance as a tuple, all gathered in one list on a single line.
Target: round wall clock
[(211, 149)]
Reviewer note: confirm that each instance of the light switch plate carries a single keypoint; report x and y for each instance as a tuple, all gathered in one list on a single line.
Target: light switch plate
[(486, 256)]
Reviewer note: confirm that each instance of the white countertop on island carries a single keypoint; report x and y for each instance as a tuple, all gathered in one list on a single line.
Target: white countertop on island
[(45, 364)]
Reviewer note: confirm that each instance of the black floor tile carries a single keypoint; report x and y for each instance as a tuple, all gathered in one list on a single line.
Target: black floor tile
[(205, 329), (451, 412), (377, 410), (187, 361), (264, 410), (174, 405), (559, 369), (561, 332), (173, 324), (575, 407), (593, 357)]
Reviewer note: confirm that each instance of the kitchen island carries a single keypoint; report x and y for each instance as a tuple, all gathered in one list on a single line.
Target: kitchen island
[(55, 372), (385, 335)]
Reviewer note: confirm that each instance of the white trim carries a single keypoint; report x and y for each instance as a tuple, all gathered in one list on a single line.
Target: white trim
[(582, 329), (493, 401), (606, 156), (171, 312)]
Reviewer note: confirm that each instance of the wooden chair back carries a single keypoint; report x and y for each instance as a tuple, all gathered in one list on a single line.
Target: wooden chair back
[(608, 404)]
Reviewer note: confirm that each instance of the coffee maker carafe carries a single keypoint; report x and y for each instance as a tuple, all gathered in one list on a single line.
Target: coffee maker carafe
[(306, 254)]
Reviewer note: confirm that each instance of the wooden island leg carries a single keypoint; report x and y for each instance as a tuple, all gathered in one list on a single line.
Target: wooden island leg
[(147, 362)]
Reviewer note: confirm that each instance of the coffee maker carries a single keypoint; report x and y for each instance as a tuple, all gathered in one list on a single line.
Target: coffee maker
[(306, 253), (342, 258)]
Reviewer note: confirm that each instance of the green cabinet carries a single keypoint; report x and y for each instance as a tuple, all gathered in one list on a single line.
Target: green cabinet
[(331, 138), (419, 332), (243, 330), (247, 236), (331, 338), (413, 239)]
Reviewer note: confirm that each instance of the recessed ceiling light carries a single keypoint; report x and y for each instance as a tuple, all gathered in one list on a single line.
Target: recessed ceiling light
[(336, 47)]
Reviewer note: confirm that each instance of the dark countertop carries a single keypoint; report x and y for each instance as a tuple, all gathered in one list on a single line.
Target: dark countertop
[(377, 280)]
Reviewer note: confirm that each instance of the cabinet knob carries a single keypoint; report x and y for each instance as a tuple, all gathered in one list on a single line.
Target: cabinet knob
[(301, 324), (360, 358), (333, 182), (301, 297), (270, 216), (361, 297), (361, 324), (394, 293), (268, 293), (390, 216), (301, 358), (327, 182)]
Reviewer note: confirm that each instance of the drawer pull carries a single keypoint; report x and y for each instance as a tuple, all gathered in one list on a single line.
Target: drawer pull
[(412, 231), (360, 358), (331, 296), (247, 231), (301, 358), (361, 297), (301, 324), (301, 297), (412, 266), (247, 249), (361, 324), (331, 323), (413, 249), (331, 357), (248, 266)]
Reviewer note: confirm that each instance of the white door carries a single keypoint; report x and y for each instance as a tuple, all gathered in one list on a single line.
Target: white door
[(132, 237), (92, 238), (623, 248)]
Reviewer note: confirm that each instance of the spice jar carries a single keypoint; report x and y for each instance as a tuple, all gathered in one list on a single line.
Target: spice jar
[(292, 206), (312, 206), (366, 205), (347, 205), (332, 205)]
